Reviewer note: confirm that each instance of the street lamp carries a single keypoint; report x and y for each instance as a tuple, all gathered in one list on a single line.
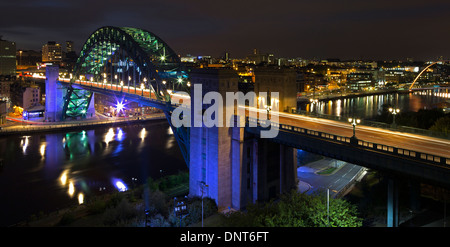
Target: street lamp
[(142, 88), (313, 103), (203, 186), (121, 86), (394, 112), (268, 107), (354, 122)]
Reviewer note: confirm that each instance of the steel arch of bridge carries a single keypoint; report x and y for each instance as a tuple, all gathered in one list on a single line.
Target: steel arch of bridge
[(153, 65), (421, 72), (153, 62)]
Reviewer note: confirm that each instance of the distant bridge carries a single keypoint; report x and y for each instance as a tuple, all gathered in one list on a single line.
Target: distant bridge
[(421, 72)]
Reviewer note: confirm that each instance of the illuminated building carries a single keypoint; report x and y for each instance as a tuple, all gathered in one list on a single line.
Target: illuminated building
[(7, 58), (281, 80), (25, 95), (51, 52), (27, 59), (69, 46), (309, 81), (260, 58), (3, 111), (360, 80), (5, 89)]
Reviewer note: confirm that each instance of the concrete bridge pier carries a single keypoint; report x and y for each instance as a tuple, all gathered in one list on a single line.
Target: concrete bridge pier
[(276, 169), (228, 164), (392, 203)]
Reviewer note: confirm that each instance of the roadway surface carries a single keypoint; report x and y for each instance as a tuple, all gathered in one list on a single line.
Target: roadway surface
[(336, 181), (419, 143)]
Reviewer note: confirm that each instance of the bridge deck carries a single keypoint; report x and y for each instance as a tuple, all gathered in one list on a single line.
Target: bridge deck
[(419, 143), (406, 141)]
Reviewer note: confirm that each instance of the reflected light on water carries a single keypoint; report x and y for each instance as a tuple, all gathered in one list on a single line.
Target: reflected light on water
[(109, 136), (42, 149), (142, 134), (80, 198), (119, 134), (71, 189), (63, 178), (338, 107), (24, 144)]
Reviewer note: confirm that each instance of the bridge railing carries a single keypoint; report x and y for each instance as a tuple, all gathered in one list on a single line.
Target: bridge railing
[(375, 124), (391, 150), (135, 92), (49, 126)]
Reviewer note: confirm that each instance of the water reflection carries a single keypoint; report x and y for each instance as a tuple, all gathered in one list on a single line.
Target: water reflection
[(119, 134), (67, 167), (71, 189), (80, 198), (368, 107), (24, 143), (109, 136), (142, 134), (42, 150)]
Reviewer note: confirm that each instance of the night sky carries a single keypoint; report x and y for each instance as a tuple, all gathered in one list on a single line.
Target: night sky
[(356, 29)]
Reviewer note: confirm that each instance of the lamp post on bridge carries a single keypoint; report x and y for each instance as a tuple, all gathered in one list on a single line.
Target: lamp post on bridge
[(354, 122), (142, 88), (203, 186), (313, 104), (121, 86), (394, 112), (115, 77), (164, 83), (149, 91)]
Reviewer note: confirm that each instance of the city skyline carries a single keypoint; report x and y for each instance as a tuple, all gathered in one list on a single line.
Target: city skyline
[(378, 30)]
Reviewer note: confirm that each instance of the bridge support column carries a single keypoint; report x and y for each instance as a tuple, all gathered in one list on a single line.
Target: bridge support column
[(288, 168), (392, 203), (238, 165), (414, 190), (54, 95), (214, 166), (276, 169)]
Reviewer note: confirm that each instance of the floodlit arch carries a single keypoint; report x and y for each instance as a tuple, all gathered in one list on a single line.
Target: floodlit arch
[(133, 56), (421, 72)]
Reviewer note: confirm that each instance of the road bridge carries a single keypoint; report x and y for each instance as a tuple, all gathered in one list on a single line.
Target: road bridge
[(233, 165)]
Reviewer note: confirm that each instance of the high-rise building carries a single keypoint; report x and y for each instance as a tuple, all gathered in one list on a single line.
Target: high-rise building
[(51, 52), (69, 46), (7, 58)]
